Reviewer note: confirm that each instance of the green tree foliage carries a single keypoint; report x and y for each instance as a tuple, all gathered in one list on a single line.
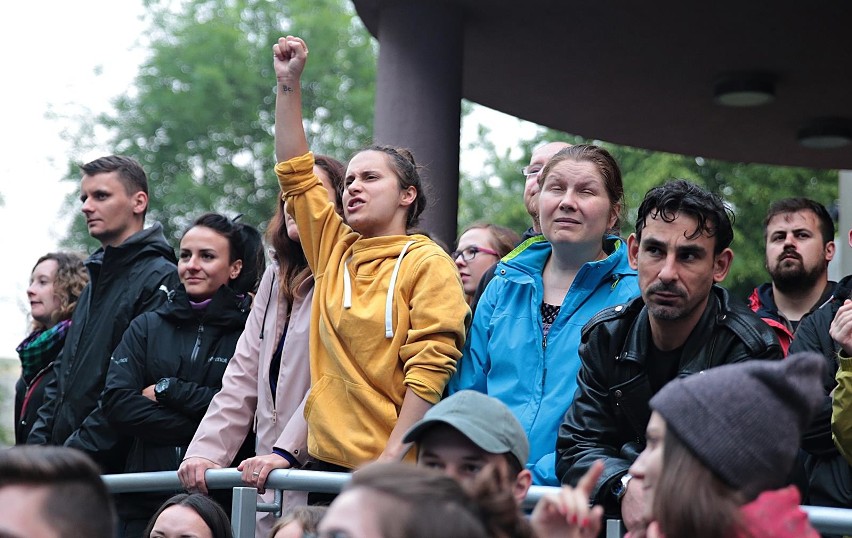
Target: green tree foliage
[(200, 118), (495, 195), (201, 113)]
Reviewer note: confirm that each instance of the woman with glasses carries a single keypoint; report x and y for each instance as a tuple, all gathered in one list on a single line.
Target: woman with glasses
[(480, 246), (523, 345)]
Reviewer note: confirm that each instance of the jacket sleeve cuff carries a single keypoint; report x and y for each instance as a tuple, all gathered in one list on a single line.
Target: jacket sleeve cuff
[(294, 463), (296, 174)]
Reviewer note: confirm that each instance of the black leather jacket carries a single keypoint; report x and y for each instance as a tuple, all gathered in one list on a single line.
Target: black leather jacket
[(610, 411)]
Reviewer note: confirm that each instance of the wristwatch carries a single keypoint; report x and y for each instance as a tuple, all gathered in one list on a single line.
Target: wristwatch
[(620, 487), (160, 388)]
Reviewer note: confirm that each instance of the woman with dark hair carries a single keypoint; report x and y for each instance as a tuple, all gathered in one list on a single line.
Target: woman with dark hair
[(720, 447), (389, 316), (523, 346), (396, 500), (169, 363), (271, 353), (189, 515), (56, 282)]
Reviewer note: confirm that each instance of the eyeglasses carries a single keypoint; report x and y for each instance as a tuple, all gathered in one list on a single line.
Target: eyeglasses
[(470, 253), (532, 170)]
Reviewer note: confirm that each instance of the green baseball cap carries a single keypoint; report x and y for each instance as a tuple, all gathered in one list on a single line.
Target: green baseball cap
[(483, 419)]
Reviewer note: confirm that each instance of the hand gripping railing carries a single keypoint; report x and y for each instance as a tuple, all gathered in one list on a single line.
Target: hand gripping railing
[(245, 505)]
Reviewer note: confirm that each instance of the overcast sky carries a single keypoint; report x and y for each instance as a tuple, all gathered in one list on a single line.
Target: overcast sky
[(64, 59), (59, 58)]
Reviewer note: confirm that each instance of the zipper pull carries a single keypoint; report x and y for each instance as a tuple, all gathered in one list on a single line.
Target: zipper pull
[(197, 347)]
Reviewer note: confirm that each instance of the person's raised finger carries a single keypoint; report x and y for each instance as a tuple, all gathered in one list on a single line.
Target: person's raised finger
[(590, 479)]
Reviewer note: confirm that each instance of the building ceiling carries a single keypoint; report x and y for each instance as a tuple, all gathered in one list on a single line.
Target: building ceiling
[(643, 74)]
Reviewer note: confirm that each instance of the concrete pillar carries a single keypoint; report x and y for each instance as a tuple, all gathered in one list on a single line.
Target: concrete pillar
[(418, 100), (844, 224)]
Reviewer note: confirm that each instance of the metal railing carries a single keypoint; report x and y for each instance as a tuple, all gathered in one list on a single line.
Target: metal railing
[(245, 506)]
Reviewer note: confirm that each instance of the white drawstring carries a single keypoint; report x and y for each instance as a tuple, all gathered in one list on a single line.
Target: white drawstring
[(391, 286), (347, 286)]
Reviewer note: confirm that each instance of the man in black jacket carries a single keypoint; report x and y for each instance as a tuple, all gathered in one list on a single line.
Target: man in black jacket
[(130, 274), (827, 331), (682, 324)]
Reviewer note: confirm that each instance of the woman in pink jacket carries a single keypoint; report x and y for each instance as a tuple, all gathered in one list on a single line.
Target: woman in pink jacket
[(272, 354)]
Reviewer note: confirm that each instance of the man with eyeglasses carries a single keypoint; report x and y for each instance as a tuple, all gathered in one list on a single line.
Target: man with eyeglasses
[(539, 158)]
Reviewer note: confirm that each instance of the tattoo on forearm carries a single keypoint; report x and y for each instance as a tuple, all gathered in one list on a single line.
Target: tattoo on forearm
[(286, 88)]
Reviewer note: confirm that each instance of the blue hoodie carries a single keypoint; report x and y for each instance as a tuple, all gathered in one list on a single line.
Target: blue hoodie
[(506, 355)]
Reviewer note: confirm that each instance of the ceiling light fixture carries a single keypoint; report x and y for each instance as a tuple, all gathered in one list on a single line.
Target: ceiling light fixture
[(826, 133), (744, 89)]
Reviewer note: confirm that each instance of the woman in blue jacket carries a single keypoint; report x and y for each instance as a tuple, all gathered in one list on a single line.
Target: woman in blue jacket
[(523, 344)]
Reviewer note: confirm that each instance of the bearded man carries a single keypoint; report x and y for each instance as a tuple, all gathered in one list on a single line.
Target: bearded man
[(799, 238)]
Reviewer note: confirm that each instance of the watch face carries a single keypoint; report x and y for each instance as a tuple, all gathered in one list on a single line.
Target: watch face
[(161, 385), (620, 487)]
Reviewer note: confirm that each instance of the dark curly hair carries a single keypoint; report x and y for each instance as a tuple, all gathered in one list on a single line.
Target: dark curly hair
[(714, 217)]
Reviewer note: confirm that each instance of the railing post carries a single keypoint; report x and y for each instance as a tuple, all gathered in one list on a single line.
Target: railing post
[(244, 512), (614, 528)]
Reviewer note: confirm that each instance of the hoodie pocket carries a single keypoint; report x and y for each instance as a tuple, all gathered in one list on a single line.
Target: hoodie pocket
[(349, 423)]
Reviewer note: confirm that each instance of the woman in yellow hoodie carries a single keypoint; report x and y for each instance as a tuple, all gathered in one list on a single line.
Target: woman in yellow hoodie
[(389, 315)]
